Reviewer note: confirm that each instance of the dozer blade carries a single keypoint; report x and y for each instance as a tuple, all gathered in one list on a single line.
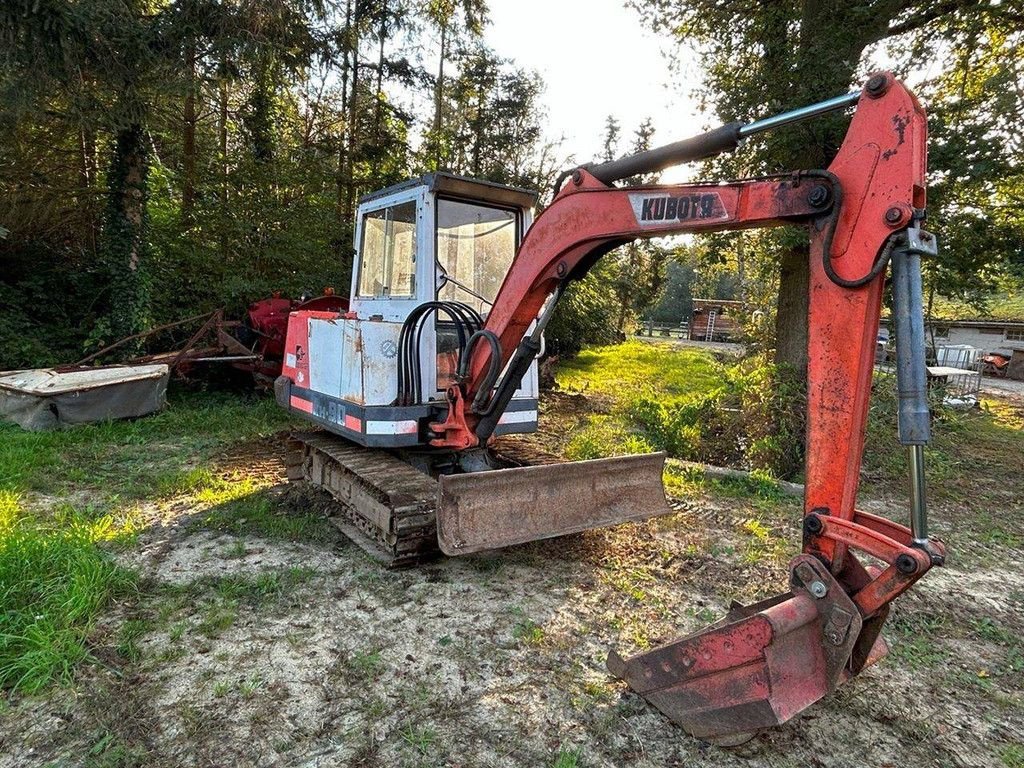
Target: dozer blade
[(499, 508), (759, 666)]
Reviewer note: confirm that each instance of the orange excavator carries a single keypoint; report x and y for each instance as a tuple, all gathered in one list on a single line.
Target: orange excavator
[(435, 358)]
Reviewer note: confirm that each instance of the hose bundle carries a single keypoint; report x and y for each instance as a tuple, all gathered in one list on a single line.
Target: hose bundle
[(468, 324)]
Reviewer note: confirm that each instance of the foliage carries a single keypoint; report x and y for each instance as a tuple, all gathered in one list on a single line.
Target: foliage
[(765, 58), (978, 167), (586, 314), (660, 398), (160, 160)]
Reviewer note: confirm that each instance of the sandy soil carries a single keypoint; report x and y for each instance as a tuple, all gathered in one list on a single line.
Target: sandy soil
[(255, 651)]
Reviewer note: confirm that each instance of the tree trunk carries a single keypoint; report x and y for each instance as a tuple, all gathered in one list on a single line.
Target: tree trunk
[(439, 97), (188, 175), (823, 69), (353, 106), (124, 236), (222, 131), (378, 111), (791, 309), (88, 174), (341, 183)]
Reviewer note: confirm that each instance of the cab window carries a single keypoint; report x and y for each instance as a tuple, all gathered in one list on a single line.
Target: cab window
[(475, 247), (388, 252)]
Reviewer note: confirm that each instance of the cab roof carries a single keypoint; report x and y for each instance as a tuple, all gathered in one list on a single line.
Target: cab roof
[(463, 187)]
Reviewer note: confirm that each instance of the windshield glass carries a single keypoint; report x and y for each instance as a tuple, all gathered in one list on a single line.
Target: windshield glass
[(388, 253), (475, 246)]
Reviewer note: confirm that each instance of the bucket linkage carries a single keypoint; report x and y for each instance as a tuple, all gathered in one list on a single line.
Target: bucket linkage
[(764, 663)]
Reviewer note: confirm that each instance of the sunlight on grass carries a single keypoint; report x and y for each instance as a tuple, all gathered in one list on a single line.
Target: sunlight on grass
[(56, 580), (636, 367), (129, 458), (55, 577)]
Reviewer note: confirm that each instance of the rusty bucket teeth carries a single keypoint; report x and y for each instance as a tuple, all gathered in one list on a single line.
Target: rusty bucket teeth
[(759, 666)]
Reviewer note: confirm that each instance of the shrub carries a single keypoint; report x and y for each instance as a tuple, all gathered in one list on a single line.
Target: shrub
[(774, 410)]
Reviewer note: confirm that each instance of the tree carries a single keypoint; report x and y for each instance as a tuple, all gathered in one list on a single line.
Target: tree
[(764, 58), (492, 118), (641, 263), (610, 146), (456, 21), (166, 158), (976, 191)]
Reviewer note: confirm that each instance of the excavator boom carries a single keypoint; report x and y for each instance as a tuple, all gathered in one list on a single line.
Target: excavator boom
[(761, 664)]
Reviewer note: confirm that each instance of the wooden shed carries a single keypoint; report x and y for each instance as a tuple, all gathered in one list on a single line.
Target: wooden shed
[(715, 320)]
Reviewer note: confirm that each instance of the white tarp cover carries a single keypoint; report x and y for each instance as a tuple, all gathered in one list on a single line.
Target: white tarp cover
[(42, 398)]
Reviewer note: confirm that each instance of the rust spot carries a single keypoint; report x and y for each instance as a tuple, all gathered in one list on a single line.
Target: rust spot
[(899, 124)]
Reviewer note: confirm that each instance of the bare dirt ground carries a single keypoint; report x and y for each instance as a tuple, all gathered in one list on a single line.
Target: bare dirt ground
[(245, 649), (1009, 389)]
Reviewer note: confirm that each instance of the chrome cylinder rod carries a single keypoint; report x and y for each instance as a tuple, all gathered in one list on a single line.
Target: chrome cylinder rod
[(911, 374), (796, 115), (918, 505)]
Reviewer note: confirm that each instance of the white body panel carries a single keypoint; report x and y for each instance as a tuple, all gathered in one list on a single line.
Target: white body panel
[(354, 360)]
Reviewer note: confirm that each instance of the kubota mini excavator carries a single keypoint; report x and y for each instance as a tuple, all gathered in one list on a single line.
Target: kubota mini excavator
[(436, 355)]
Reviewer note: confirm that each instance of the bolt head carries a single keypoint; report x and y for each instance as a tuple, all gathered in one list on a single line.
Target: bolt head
[(818, 197), (577, 177), (893, 215), (876, 85), (818, 589)]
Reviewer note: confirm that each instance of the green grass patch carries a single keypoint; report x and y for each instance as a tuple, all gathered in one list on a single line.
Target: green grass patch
[(55, 581), (655, 397), (973, 459), (217, 600), (1012, 755), (129, 459), (636, 366), (246, 511), (567, 758)]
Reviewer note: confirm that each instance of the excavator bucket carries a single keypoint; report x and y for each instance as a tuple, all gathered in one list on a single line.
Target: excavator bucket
[(499, 508), (760, 665)]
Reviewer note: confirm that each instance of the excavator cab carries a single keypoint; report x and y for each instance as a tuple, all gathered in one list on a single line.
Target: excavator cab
[(430, 257)]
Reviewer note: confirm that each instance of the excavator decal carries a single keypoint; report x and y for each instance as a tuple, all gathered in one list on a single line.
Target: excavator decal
[(685, 207)]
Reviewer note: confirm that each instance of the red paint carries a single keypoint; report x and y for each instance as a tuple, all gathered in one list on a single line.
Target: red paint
[(267, 323), (300, 404), (296, 349)]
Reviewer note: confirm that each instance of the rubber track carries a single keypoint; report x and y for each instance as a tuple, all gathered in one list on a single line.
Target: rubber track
[(385, 505), (386, 500)]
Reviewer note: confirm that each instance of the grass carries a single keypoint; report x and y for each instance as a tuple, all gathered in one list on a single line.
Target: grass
[(643, 397), (55, 573), (56, 581), (973, 460), (568, 758), (128, 459), (639, 367), (619, 377), (1012, 755), (646, 397), (255, 512)]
